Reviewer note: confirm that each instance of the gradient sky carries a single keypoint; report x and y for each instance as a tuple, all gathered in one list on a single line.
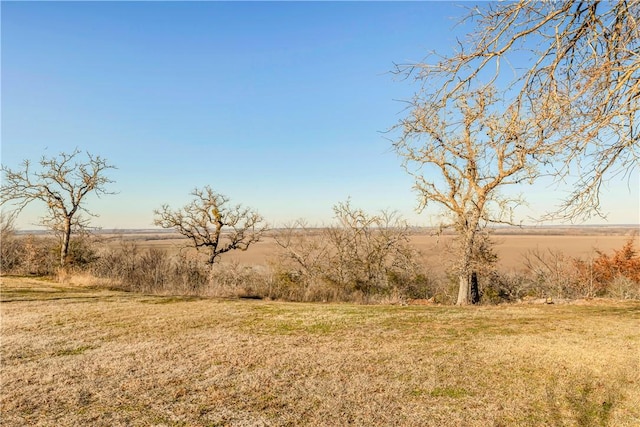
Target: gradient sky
[(281, 106)]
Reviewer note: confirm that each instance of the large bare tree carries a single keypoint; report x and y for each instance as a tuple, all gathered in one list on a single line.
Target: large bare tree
[(62, 183), (462, 156), (583, 57), (213, 224)]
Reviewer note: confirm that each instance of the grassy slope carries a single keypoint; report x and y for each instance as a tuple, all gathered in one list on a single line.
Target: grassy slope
[(77, 356)]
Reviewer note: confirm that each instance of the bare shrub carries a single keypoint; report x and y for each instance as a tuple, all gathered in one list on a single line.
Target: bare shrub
[(119, 265), (553, 273), (504, 288), (369, 249), (359, 257), (109, 263), (443, 288), (291, 284), (81, 252), (25, 254), (623, 288), (11, 249), (39, 256), (238, 280), (299, 271), (189, 275), (153, 266), (412, 283), (153, 270), (550, 273), (132, 269)]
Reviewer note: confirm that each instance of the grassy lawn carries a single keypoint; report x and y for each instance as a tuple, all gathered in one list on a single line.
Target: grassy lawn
[(78, 356)]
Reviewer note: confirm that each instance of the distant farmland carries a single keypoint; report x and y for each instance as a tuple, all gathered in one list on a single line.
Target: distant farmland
[(512, 244)]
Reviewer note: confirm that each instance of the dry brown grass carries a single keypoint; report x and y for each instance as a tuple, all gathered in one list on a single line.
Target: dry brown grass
[(73, 355)]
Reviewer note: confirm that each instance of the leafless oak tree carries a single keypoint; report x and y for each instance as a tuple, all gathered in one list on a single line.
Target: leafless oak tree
[(584, 60), (462, 157), (211, 223), (62, 183)]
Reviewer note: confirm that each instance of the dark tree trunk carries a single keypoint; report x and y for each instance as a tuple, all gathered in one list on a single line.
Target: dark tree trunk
[(66, 237), (475, 292), (212, 257), (468, 291)]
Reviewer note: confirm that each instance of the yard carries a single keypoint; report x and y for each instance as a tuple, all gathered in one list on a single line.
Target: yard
[(76, 355)]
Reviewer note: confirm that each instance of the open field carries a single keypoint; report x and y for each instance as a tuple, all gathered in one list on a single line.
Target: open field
[(73, 355), (512, 244)]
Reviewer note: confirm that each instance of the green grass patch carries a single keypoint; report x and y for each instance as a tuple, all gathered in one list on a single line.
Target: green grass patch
[(451, 392)]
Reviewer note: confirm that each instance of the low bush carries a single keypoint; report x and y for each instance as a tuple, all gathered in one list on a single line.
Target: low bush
[(503, 287), (554, 274), (40, 255), (153, 270), (29, 255), (597, 276), (361, 257), (11, 248), (364, 259)]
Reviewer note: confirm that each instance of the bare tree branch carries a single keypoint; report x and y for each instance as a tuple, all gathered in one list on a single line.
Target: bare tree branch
[(584, 79)]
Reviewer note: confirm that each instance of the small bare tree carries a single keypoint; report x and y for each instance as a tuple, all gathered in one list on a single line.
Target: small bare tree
[(360, 252), (584, 68), (305, 247), (212, 224), (62, 183), (368, 248), (461, 156)]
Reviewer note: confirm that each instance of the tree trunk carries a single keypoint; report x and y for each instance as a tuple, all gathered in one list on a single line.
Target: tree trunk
[(212, 257), (468, 292), (66, 237), (466, 274), (475, 291), (463, 289)]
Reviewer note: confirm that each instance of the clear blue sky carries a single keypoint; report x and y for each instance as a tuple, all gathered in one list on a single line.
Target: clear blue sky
[(281, 106)]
